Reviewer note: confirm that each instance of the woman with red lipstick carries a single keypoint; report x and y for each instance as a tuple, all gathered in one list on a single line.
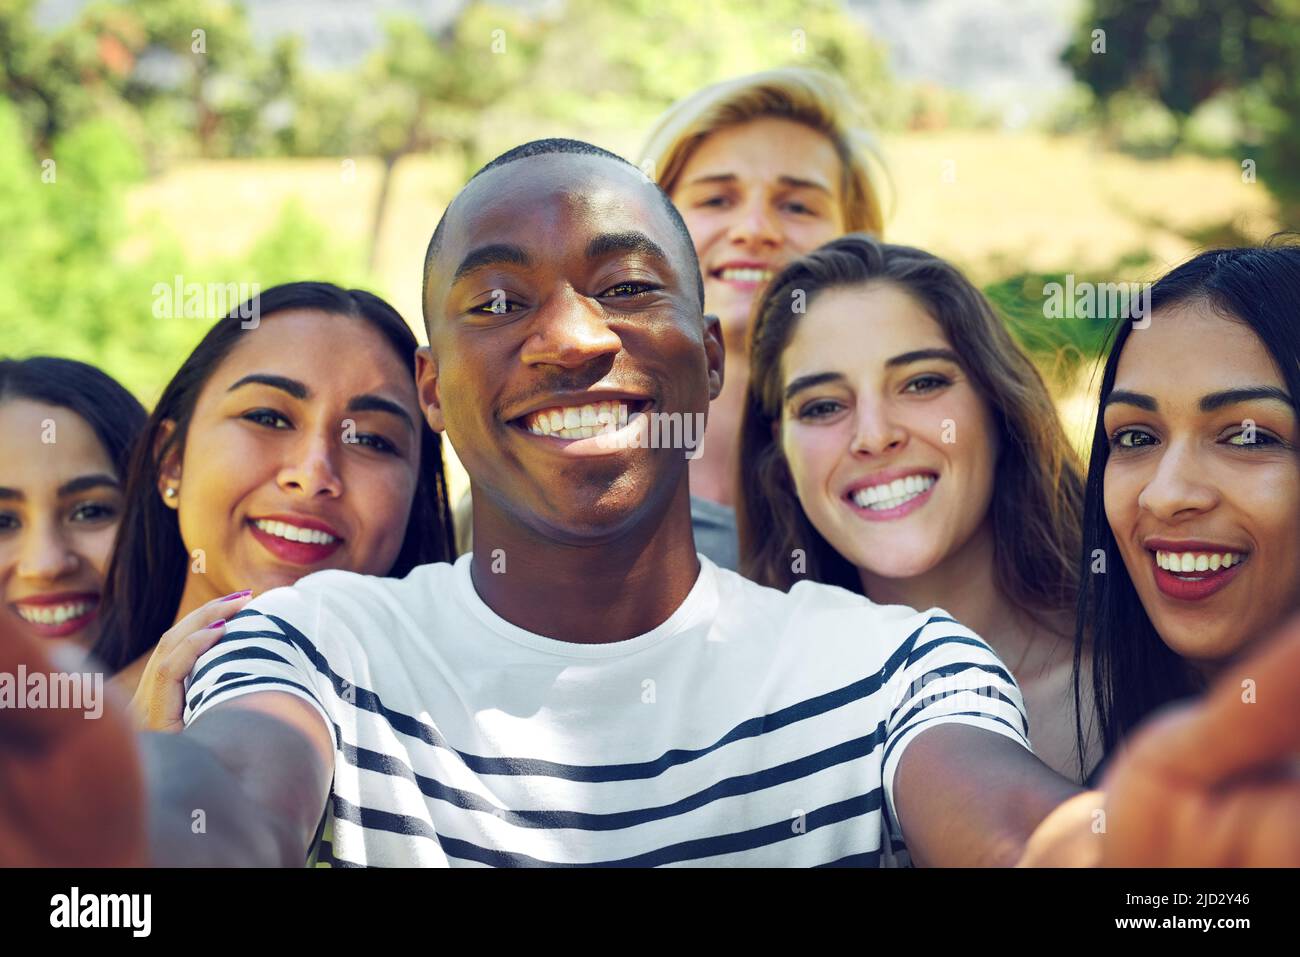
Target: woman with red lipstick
[(268, 458), (1193, 494), (66, 431), (898, 443)]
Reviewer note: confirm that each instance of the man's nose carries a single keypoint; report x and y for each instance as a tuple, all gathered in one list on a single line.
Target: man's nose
[(755, 225), (569, 330)]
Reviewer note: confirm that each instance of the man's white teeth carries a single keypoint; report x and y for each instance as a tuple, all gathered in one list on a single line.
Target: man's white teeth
[(880, 498), (1197, 561), (293, 533), (578, 421), (54, 614), (746, 275)]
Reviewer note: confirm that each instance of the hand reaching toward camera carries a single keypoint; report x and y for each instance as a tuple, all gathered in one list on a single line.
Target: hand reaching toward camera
[(71, 788), (1215, 783), (1210, 783)]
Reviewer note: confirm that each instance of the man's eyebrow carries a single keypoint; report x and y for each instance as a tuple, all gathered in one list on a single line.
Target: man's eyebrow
[(920, 355), (1217, 400), (808, 381), (377, 403), (291, 386), (492, 255), (713, 178), (11, 494), (84, 483), (1130, 398), (799, 183), (607, 244)]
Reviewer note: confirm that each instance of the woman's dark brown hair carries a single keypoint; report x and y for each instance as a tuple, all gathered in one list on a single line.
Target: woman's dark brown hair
[(146, 574), (1037, 485)]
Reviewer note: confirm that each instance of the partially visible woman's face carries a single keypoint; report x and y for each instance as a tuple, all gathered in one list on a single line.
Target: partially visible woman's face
[(755, 197), (60, 505), (1202, 485), (891, 449), (302, 455)]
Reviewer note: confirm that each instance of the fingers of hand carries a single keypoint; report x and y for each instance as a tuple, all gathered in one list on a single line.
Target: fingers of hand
[(179, 661), (219, 609)]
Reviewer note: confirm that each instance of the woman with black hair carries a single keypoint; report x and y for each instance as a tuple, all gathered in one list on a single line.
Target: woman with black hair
[(285, 445), (1192, 505), (66, 431)]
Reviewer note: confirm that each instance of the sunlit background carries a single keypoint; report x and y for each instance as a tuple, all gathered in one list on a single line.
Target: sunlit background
[(286, 139)]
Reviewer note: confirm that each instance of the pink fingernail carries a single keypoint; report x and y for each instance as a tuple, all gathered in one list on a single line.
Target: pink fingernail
[(238, 594), (217, 624)]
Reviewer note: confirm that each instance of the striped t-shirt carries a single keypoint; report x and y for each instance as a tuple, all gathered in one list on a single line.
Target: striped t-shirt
[(753, 727)]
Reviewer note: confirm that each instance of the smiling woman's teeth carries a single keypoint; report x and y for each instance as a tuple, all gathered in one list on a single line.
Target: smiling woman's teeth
[(293, 533), (53, 614), (746, 275), (578, 421), (1197, 561), (880, 498)]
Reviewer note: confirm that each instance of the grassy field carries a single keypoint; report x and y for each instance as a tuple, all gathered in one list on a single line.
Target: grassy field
[(996, 204), (993, 203)]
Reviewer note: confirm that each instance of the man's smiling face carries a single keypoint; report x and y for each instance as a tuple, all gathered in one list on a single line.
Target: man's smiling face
[(562, 282)]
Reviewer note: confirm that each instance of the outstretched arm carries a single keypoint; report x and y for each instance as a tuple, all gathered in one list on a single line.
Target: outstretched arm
[(88, 791), (1211, 783), (246, 783)]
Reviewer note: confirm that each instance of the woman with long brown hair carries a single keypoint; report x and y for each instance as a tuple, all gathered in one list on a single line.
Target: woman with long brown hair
[(282, 447), (897, 442)]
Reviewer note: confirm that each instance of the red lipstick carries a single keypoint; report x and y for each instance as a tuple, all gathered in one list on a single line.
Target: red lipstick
[(296, 553), (44, 604)]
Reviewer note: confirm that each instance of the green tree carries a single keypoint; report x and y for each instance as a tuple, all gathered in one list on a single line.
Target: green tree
[(1182, 53), (425, 90)]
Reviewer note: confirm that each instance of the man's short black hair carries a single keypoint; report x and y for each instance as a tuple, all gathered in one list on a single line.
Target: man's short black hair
[(560, 145)]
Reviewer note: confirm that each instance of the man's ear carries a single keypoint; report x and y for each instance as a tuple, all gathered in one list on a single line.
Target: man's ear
[(716, 352), (426, 388), (169, 468)]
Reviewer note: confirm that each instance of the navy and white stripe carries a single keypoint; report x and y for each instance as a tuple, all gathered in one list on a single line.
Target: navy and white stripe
[(753, 727)]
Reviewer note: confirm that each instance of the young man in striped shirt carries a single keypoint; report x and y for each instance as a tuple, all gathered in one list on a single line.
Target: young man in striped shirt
[(583, 689)]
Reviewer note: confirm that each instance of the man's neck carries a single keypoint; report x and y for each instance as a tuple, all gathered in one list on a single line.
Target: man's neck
[(713, 474), (586, 594)]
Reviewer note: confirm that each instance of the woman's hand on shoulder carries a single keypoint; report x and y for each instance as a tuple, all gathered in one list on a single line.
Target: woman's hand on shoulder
[(159, 700)]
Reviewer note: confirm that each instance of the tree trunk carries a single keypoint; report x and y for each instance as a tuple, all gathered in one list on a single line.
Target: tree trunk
[(381, 204)]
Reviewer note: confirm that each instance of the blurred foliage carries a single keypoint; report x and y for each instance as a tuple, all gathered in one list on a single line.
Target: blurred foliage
[(1066, 347), (1164, 59), (127, 89), (73, 290)]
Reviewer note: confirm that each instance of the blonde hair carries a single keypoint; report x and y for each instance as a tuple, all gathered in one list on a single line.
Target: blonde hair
[(816, 99)]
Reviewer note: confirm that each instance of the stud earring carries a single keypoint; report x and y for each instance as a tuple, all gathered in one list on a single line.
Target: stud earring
[(169, 493)]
